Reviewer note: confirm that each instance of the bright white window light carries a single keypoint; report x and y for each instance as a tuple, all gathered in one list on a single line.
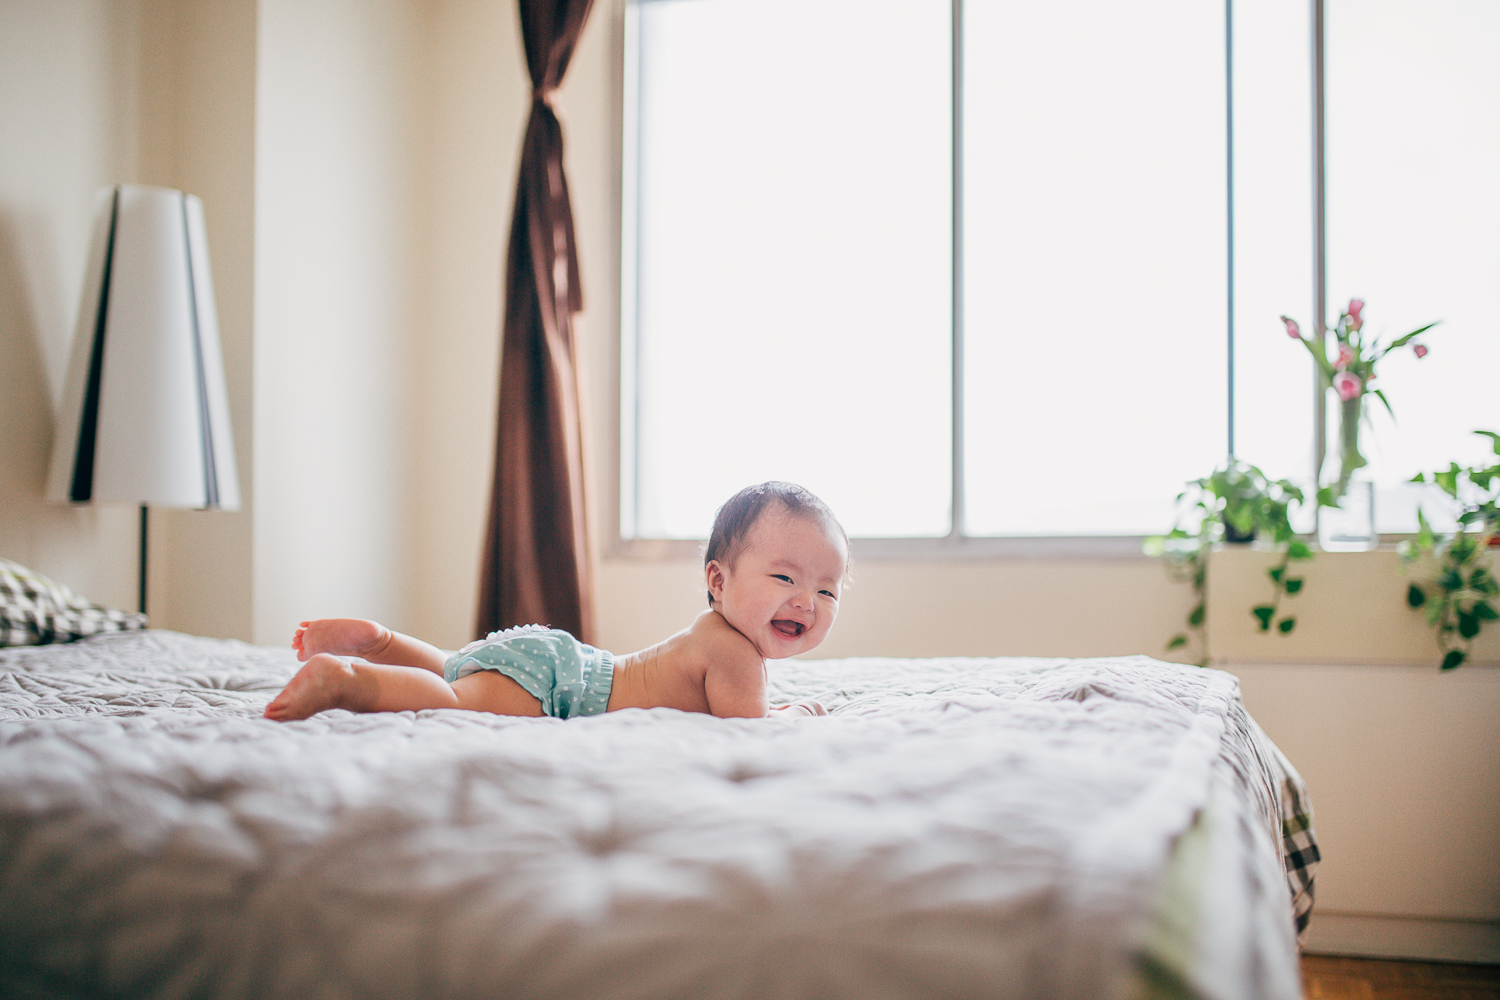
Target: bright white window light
[(1095, 262), (1273, 238), (793, 310), (1413, 212), (788, 285)]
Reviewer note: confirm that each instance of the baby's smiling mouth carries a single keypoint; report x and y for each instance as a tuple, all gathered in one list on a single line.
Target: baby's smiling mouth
[(789, 628)]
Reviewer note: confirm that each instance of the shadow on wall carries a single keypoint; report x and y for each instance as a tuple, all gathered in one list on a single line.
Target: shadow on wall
[(26, 407)]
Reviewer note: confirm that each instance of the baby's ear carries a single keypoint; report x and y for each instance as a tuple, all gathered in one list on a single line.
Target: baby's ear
[(713, 575)]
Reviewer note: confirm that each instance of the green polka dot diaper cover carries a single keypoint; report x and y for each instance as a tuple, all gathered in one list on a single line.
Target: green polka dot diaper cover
[(568, 677)]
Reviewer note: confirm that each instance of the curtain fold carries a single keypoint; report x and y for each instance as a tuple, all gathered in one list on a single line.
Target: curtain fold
[(536, 566)]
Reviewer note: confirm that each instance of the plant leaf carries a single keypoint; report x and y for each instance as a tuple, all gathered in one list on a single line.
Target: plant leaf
[(1299, 550), (1380, 393), (1468, 624), (1264, 614), (1425, 536), (1176, 641), (1275, 573), (1453, 659), (1293, 584), (1287, 624), (1403, 340), (1484, 611), (1415, 597), (1195, 617)]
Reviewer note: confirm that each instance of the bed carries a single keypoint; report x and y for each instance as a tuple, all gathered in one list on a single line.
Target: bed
[(1111, 827)]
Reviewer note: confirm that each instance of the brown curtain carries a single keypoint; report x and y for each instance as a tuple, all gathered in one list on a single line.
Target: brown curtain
[(536, 554)]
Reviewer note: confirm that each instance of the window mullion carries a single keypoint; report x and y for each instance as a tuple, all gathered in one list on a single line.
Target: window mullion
[(1320, 234), (958, 527), (1229, 204)]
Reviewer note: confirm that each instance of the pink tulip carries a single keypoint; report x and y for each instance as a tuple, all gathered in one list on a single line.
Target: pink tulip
[(1346, 356), (1355, 306), (1291, 328), (1420, 350), (1347, 385)]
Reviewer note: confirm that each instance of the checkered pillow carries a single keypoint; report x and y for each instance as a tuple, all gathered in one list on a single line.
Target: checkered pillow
[(35, 611)]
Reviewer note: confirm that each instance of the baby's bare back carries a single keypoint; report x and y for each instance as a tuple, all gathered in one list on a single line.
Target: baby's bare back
[(709, 667)]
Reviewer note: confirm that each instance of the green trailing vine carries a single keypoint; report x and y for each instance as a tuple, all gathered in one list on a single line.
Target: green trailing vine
[(1460, 597), (1236, 504)]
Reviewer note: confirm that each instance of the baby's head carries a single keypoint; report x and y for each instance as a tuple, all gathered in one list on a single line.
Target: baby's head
[(775, 565)]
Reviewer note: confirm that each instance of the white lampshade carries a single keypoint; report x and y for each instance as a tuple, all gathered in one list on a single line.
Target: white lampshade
[(145, 415)]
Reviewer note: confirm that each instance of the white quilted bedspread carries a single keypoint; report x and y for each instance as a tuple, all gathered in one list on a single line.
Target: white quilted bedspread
[(959, 828)]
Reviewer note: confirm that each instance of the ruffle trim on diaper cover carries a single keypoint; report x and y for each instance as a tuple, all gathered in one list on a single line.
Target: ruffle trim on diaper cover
[(505, 633)]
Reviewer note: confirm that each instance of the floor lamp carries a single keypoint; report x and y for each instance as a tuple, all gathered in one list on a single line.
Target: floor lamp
[(145, 415)]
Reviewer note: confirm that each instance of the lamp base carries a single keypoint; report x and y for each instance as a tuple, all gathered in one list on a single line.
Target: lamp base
[(142, 586)]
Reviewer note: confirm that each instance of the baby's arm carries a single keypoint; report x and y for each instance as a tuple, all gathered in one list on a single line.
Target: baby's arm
[(734, 678)]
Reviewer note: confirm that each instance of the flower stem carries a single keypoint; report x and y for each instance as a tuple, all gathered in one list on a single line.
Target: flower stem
[(1349, 456)]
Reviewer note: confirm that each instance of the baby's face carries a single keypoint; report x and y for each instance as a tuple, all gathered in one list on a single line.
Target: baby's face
[(782, 592)]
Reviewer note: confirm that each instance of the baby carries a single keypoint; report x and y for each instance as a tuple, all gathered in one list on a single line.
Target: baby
[(775, 565)]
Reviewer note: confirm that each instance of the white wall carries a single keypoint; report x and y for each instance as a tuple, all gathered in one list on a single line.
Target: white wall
[(1399, 756), (479, 101), (198, 67), (69, 124), (339, 86), (298, 123)]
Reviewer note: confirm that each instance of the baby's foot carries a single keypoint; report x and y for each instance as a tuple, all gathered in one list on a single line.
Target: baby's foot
[(320, 684), (341, 637)]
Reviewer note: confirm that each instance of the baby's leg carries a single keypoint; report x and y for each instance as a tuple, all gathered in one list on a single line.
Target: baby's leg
[(367, 639), (326, 681)]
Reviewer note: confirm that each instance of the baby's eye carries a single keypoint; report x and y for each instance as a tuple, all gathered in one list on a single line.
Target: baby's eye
[(782, 577), (829, 593)]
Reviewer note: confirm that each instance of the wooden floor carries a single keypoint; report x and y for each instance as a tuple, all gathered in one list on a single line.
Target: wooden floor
[(1369, 979)]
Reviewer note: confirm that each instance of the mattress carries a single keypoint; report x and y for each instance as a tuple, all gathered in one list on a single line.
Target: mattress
[(953, 828)]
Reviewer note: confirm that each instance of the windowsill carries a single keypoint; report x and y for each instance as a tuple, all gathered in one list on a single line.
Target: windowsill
[(1352, 609), (936, 549), (920, 549)]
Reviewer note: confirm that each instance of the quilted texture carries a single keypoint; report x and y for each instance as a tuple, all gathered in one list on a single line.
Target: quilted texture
[(36, 611), (954, 828)]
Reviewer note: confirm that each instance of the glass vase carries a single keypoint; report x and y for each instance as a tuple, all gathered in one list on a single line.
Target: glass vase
[(1349, 527)]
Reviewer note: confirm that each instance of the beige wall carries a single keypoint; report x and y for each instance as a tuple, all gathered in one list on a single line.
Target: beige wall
[(198, 67), (479, 100), (69, 123), (337, 161), (357, 164), (299, 124)]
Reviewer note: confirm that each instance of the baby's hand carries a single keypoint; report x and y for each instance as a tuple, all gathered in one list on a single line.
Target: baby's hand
[(802, 708)]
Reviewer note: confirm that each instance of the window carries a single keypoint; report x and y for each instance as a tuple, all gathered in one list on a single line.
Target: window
[(1094, 222), (1022, 278), (794, 259), (1413, 119)]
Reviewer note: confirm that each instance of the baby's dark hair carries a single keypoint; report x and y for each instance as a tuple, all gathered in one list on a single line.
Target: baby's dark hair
[(740, 512)]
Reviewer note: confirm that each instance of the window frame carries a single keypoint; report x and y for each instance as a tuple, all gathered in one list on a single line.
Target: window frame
[(621, 490)]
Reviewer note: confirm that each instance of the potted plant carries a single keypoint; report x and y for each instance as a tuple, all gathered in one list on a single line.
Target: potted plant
[(1236, 504), (1460, 596)]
